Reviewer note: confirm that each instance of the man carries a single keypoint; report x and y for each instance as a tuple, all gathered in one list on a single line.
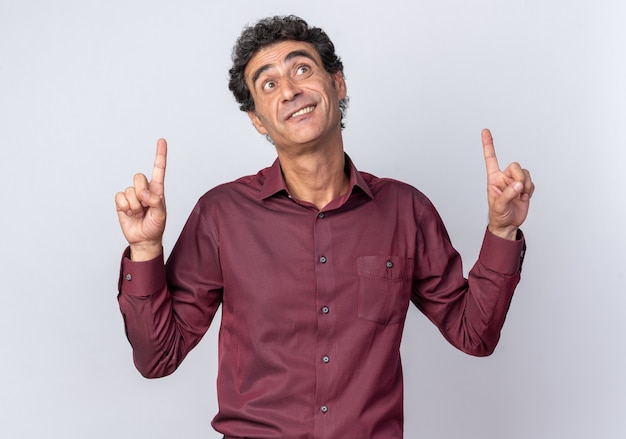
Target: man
[(313, 262)]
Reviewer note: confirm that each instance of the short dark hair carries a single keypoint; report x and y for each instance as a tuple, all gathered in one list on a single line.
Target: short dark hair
[(272, 30)]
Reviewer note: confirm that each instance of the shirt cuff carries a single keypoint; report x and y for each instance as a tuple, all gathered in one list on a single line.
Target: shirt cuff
[(503, 255), (141, 278)]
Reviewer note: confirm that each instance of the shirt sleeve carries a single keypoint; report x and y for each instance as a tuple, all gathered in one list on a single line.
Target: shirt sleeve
[(503, 255), (470, 313), (167, 308)]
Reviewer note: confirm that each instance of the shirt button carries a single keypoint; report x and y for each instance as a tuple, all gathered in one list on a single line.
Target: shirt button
[(325, 358), (325, 309), (389, 264), (323, 259), (129, 277), (321, 215), (324, 409)]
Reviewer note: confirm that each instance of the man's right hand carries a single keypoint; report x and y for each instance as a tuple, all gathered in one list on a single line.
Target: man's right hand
[(141, 210)]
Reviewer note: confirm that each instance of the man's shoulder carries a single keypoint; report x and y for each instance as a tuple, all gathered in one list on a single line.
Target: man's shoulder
[(387, 186), (247, 185), (253, 179)]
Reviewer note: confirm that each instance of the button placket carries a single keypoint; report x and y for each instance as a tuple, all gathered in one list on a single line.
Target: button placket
[(325, 296)]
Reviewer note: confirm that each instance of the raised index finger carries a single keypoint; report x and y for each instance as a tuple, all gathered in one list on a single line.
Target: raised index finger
[(158, 172), (491, 162)]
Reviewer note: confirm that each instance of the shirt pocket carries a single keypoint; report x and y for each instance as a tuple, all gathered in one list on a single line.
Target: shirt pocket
[(384, 288)]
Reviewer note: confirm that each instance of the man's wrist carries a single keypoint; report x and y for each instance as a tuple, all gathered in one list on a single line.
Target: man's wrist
[(509, 233), (145, 251)]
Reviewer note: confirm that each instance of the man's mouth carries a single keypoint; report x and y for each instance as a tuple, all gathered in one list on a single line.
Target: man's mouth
[(305, 110)]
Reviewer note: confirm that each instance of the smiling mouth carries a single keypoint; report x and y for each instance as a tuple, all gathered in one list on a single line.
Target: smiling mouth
[(305, 110)]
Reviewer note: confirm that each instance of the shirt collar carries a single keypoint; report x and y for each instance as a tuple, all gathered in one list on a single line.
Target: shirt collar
[(275, 183)]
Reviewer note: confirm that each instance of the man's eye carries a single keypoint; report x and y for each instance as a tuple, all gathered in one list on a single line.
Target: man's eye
[(302, 70), (268, 85)]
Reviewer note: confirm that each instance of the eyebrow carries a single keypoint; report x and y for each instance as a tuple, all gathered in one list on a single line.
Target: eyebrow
[(296, 53)]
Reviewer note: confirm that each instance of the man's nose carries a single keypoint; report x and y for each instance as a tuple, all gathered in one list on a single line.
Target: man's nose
[(289, 89)]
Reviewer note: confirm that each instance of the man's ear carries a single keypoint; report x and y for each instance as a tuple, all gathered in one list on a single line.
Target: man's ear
[(256, 121), (340, 85)]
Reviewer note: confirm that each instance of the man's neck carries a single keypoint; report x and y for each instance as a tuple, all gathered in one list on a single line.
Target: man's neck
[(317, 177)]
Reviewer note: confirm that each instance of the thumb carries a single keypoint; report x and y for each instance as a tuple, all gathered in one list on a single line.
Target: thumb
[(512, 191), (150, 199)]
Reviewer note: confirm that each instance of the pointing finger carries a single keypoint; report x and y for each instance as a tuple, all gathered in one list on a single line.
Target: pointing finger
[(157, 182), (489, 152)]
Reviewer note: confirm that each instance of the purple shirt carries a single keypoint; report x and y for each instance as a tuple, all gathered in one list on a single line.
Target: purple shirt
[(313, 303)]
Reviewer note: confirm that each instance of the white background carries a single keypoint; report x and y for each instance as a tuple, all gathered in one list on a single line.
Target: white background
[(87, 87)]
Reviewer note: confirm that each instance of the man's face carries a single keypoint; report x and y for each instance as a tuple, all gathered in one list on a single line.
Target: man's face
[(296, 99)]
